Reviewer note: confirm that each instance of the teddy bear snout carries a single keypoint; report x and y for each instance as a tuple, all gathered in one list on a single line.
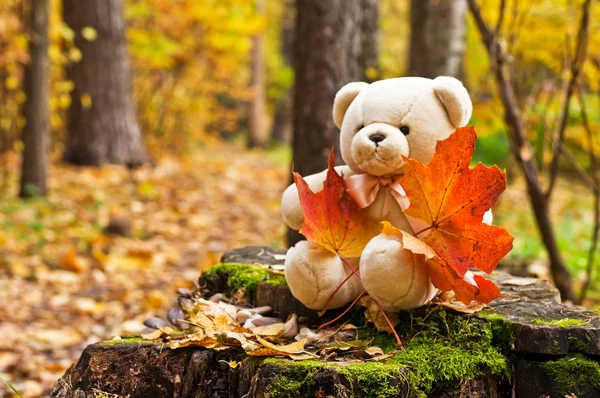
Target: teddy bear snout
[(377, 138)]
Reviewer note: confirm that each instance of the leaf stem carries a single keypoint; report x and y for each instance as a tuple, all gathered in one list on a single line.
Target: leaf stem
[(398, 340), (337, 318), (337, 289), (347, 264)]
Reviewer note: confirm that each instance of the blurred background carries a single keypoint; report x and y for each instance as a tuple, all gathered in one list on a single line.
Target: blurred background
[(140, 139)]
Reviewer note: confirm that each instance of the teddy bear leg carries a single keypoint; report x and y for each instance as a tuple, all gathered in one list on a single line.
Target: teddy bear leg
[(313, 273), (395, 277)]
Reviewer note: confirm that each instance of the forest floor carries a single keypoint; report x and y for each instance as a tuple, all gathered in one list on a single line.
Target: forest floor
[(66, 283)]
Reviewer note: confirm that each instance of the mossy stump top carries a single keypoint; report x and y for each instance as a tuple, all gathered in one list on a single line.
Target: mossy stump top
[(526, 344)]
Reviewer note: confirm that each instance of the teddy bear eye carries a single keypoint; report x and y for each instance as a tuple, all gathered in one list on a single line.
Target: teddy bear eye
[(405, 130)]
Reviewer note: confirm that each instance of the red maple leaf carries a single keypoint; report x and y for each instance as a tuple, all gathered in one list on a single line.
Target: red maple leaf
[(451, 198), (332, 218)]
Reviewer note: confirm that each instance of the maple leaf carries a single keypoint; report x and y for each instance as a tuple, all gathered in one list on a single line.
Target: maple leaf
[(451, 198), (332, 218)]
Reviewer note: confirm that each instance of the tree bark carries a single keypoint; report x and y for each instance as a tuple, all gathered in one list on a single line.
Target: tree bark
[(258, 135), (283, 120), (35, 108), (418, 56), (102, 122), (326, 53), (369, 52), (447, 27), (438, 33)]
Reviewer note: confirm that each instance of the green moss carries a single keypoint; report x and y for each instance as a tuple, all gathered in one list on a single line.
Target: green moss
[(126, 340), (293, 379), (573, 373), (373, 378), (443, 352), (576, 343), (503, 330), (239, 276), (561, 323)]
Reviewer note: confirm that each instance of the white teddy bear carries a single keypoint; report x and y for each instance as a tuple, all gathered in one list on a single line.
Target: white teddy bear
[(380, 123)]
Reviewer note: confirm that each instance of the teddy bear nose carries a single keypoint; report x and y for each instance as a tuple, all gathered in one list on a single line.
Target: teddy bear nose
[(377, 138)]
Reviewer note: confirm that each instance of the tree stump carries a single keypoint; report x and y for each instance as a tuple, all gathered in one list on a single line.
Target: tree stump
[(526, 344)]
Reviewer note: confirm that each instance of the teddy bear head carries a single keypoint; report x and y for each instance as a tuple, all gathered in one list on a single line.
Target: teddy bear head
[(385, 120)]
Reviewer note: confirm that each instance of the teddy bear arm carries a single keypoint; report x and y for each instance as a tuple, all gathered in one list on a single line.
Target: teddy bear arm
[(291, 209)]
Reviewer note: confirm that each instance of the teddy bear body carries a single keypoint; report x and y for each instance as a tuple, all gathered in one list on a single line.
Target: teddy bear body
[(380, 123)]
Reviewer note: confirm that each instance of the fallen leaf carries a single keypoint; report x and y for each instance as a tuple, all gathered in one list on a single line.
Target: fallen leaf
[(275, 329), (375, 316), (461, 307), (71, 262), (232, 364), (303, 357), (368, 353), (519, 281), (292, 348), (451, 199), (332, 218), (155, 334)]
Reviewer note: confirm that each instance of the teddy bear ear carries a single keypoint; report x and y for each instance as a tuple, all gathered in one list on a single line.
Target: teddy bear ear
[(344, 98), (455, 98)]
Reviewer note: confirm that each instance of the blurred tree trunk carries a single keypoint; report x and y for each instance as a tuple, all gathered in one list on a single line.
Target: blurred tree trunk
[(447, 27), (102, 122), (258, 135), (369, 52), (418, 56), (282, 122), (35, 108), (326, 57), (438, 38)]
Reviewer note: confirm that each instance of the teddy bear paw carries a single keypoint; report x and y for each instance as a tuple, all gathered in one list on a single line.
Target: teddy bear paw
[(313, 273), (395, 277)]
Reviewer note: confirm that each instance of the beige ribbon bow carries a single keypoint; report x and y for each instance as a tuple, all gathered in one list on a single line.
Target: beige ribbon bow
[(363, 188)]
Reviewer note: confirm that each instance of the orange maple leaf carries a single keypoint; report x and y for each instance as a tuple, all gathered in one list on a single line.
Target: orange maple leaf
[(332, 218), (451, 199)]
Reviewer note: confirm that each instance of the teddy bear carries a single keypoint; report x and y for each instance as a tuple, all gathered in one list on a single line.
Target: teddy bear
[(379, 124)]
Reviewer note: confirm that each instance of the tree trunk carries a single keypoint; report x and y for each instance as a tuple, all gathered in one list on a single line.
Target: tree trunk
[(102, 122), (437, 41), (258, 135), (35, 109), (447, 27), (418, 56), (326, 53), (283, 120), (369, 54)]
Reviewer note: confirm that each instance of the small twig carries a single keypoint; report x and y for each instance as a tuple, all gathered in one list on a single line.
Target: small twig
[(517, 24), (594, 176), (575, 69), (521, 150), (500, 18)]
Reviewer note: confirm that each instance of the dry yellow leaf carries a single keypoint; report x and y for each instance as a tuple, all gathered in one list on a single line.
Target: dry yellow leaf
[(293, 348), (71, 262), (275, 329), (155, 334)]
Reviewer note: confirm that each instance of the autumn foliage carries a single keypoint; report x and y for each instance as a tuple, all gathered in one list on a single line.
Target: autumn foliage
[(332, 218), (447, 196)]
